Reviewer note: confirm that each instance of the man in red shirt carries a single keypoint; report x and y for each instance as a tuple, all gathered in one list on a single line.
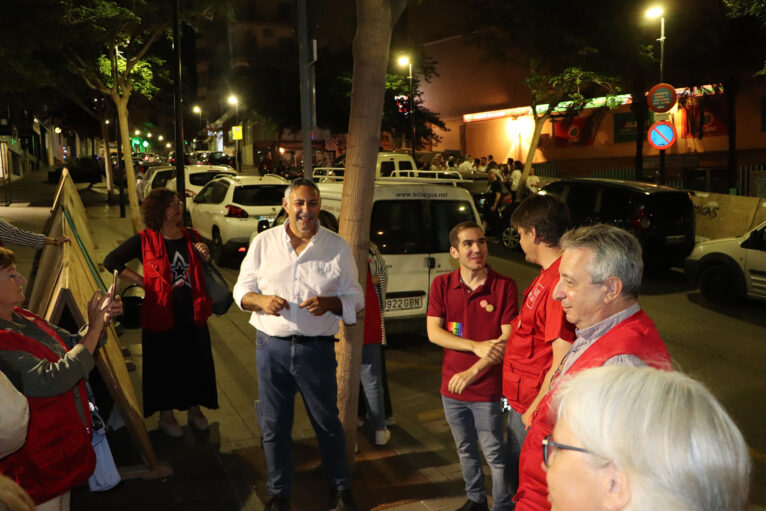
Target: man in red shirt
[(601, 270), (469, 315), (541, 334)]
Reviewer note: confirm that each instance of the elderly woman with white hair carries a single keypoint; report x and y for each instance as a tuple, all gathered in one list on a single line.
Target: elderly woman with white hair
[(639, 439)]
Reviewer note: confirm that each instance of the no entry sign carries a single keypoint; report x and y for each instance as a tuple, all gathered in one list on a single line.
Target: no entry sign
[(661, 97), (661, 135)]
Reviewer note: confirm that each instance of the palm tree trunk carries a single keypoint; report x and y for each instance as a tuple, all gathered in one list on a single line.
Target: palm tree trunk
[(375, 21)]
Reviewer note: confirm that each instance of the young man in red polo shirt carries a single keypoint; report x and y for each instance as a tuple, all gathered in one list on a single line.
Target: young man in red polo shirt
[(541, 334), (469, 315)]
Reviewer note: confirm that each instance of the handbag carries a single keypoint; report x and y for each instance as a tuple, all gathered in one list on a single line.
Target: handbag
[(217, 289), (105, 476)]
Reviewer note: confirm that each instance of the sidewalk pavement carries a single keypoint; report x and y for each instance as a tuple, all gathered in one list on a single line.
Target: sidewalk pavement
[(224, 469)]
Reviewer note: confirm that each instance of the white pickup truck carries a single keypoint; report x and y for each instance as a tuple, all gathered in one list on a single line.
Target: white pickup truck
[(388, 164)]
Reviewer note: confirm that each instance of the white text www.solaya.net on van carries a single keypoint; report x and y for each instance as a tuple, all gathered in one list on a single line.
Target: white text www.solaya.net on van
[(421, 195)]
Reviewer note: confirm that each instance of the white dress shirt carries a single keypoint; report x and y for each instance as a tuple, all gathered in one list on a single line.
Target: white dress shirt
[(326, 267)]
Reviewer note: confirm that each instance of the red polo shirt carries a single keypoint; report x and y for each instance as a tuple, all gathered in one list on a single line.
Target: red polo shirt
[(529, 353), (475, 315)]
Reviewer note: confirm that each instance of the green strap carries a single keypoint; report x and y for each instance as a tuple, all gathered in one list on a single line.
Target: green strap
[(93, 270)]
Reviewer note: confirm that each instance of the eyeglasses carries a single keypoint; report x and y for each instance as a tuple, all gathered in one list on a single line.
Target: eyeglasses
[(548, 443)]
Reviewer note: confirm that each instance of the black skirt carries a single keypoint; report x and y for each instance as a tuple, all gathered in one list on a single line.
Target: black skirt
[(178, 369)]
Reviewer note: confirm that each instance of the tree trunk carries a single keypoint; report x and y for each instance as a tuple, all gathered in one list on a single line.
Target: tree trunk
[(107, 159), (539, 123), (640, 110), (375, 21), (130, 175)]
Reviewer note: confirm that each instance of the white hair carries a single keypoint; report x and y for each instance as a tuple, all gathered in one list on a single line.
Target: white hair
[(666, 432)]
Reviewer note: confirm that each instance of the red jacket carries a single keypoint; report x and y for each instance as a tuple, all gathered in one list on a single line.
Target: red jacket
[(157, 307), (57, 455), (637, 336)]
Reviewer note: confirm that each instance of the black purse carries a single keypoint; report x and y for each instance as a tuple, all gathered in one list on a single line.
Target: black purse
[(217, 289)]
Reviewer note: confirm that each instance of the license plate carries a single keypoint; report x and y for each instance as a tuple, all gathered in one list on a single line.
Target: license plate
[(270, 218), (403, 304)]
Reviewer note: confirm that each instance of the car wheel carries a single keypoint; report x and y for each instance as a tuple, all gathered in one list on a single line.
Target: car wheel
[(218, 252), (719, 284), (511, 238)]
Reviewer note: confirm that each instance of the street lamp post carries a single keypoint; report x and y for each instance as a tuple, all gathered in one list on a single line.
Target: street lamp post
[(405, 61), (197, 110), (233, 100), (657, 12)]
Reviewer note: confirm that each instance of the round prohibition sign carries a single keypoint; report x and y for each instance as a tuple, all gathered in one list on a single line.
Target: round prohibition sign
[(661, 135)]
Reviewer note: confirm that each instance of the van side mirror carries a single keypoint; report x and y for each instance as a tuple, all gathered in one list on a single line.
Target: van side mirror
[(755, 241)]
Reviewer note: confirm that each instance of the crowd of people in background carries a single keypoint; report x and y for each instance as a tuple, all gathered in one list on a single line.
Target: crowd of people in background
[(568, 394)]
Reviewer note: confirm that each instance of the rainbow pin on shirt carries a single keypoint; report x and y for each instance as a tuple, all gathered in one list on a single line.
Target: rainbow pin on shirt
[(455, 328)]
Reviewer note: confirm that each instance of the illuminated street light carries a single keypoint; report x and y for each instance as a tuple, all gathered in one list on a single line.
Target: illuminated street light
[(57, 130), (657, 12), (160, 138), (233, 100), (403, 61), (149, 135), (197, 109), (106, 121), (137, 132), (168, 145)]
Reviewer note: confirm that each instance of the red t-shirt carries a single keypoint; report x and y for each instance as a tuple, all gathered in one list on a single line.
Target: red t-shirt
[(477, 316), (529, 353)]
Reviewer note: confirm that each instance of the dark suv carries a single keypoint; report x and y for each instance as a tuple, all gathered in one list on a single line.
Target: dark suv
[(662, 218)]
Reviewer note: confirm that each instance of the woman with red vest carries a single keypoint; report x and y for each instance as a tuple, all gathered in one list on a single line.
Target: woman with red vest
[(34, 355), (178, 370)]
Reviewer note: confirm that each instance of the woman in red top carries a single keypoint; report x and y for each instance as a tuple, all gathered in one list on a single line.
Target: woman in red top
[(34, 355), (178, 371)]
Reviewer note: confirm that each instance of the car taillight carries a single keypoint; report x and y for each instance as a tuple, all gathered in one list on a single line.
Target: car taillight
[(235, 212), (641, 222), (189, 193)]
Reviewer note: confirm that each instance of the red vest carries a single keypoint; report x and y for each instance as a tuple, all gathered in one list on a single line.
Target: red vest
[(57, 455), (635, 336), (157, 307)]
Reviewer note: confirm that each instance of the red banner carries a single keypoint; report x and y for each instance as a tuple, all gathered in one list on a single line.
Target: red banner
[(714, 113), (574, 132)]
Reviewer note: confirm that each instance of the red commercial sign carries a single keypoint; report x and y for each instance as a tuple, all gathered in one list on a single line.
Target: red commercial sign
[(661, 97)]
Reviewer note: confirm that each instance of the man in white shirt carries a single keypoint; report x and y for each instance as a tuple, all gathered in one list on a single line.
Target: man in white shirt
[(467, 164), (298, 280)]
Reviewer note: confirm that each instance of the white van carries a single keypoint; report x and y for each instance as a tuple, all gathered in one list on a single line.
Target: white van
[(410, 224)]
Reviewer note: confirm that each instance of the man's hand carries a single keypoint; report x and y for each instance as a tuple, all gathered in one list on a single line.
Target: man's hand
[(272, 304), (318, 305), (459, 381), (493, 350)]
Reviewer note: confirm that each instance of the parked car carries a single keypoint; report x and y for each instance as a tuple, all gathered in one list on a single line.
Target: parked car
[(728, 269), (229, 209), (154, 177), (198, 176), (662, 218), (199, 157), (221, 158)]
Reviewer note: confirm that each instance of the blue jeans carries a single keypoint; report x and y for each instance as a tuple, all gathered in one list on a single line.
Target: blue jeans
[(517, 432), (372, 385), (285, 367), (475, 424)]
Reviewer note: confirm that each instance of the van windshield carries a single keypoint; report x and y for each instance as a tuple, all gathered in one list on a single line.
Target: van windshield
[(397, 227), (444, 216)]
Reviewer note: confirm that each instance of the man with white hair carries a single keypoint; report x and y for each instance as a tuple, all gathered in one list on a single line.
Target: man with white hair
[(600, 276)]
